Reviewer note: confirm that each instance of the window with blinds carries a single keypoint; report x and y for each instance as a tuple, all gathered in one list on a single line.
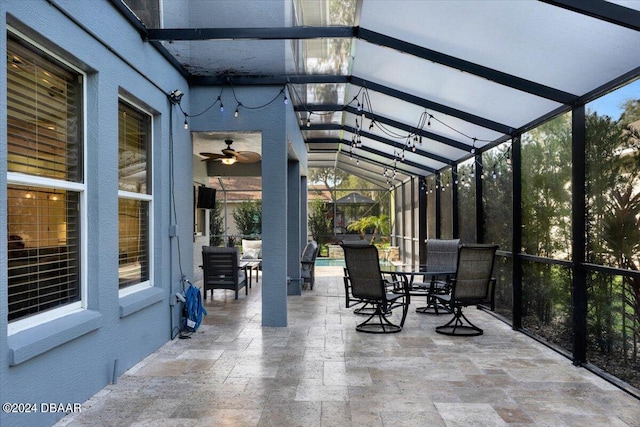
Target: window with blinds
[(44, 115), (134, 192), (44, 181)]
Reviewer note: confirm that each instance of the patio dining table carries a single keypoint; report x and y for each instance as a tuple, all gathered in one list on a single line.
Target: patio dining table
[(407, 273)]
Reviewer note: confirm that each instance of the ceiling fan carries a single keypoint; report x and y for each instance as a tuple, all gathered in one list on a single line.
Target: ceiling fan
[(230, 156)]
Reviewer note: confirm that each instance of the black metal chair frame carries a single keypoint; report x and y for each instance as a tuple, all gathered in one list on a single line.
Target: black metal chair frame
[(368, 286), (472, 285)]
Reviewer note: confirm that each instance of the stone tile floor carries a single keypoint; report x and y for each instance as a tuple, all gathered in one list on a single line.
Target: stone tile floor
[(319, 371)]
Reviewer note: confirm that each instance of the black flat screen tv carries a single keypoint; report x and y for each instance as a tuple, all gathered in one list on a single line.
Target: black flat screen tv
[(206, 198)]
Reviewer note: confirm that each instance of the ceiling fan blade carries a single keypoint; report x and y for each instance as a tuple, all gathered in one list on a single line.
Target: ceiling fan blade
[(212, 156), (248, 157), (229, 152)]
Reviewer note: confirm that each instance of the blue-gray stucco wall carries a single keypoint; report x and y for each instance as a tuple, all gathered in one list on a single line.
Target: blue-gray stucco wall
[(68, 360), (283, 159)]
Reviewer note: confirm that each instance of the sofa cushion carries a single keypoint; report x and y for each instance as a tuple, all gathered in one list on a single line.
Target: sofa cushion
[(251, 254), (252, 244)]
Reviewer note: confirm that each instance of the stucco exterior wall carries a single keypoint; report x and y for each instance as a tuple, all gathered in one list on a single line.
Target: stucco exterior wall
[(67, 360), (280, 144)]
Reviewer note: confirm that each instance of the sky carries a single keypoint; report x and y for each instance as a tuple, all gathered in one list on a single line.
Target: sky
[(612, 103)]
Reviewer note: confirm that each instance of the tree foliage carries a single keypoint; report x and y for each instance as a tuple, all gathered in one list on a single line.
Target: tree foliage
[(376, 225), (613, 235), (248, 218), (613, 206), (319, 223), (330, 177), (216, 226)]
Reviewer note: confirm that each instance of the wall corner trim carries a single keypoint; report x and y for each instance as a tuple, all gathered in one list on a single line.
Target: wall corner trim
[(139, 300), (35, 341)]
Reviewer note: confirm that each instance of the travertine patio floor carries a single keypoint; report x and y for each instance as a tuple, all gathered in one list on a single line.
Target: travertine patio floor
[(319, 371)]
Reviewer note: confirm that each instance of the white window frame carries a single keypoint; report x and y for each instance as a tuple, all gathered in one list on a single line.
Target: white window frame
[(145, 198), (16, 178)]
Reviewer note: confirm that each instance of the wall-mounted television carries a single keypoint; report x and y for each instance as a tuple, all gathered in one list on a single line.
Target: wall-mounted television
[(206, 197)]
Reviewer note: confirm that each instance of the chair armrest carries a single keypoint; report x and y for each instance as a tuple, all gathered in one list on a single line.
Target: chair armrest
[(397, 286)]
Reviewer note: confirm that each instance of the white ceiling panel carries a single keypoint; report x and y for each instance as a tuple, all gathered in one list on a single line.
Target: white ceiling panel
[(448, 86), (530, 39)]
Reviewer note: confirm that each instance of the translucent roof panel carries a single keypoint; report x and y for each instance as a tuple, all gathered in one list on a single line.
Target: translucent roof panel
[(530, 39), (396, 136), (421, 162), (327, 12), (363, 171), (448, 86), (241, 57), (326, 56), (326, 157), (314, 134), (322, 117), (319, 93), (410, 114), (321, 146)]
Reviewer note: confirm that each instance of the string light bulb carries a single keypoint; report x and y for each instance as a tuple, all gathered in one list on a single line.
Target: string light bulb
[(186, 124), (235, 114), (308, 122), (286, 100)]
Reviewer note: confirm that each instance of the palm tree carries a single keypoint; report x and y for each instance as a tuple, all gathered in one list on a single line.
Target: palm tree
[(380, 225)]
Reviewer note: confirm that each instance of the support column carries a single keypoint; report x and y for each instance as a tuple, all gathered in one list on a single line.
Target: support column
[(294, 285), (516, 244), (578, 231), (422, 220), (274, 229), (479, 207), (304, 212), (438, 198), (455, 229)]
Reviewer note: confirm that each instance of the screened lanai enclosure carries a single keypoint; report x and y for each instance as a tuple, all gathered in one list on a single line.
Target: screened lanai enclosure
[(507, 122)]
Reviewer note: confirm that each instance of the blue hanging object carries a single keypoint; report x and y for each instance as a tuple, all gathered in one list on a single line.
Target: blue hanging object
[(193, 307)]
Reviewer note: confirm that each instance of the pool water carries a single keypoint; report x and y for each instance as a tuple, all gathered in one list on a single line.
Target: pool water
[(329, 262), (338, 262)]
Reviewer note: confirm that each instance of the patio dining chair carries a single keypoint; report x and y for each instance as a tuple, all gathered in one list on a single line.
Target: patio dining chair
[(308, 263), (368, 285), (442, 255), (472, 285), (221, 270), (363, 308)]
